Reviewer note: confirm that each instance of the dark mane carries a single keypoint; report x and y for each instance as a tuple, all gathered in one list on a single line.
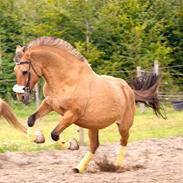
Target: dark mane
[(55, 42)]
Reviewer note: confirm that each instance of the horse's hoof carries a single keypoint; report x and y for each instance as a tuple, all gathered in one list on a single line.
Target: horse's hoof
[(39, 137), (55, 135), (74, 145), (75, 170), (31, 120)]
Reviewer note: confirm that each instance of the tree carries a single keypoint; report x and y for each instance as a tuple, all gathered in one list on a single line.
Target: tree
[(114, 35), (174, 35), (82, 15), (9, 37), (130, 34)]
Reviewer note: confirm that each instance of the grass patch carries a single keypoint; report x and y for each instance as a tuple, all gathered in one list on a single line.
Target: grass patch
[(145, 126)]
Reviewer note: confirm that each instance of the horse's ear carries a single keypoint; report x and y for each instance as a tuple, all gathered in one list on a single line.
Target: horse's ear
[(18, 48), (28, 53)]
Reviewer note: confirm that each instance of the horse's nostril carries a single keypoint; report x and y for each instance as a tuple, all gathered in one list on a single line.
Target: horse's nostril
[(23, 97)]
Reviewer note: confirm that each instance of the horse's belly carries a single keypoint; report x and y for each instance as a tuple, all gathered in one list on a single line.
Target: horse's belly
[(94, 123), (100, 116)]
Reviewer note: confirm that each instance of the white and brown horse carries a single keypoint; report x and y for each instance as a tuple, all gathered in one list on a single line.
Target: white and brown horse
[(77, 93)]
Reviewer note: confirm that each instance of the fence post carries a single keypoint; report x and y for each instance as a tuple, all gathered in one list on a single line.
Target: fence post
[(156, 67), (142, 106), (81, 136), (37, 95), (138, 71)]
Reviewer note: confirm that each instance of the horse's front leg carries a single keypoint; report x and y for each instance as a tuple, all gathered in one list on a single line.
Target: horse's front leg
[(68, 119), (43, 109), (38, 137)]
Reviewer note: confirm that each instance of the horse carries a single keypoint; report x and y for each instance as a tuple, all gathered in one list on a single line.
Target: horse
[(78, 94), (7, 113)]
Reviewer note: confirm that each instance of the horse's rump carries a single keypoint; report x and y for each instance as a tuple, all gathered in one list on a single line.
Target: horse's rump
[(109, 99)]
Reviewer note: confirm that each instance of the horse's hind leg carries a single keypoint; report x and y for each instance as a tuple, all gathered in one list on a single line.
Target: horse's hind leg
[(126, 121), (124, 140), (94, 143), (124, 127)]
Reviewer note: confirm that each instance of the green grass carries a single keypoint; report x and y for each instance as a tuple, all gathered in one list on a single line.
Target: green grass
[(145, 126)]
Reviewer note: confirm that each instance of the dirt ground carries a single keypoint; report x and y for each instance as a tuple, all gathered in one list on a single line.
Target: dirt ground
[(157, 161)]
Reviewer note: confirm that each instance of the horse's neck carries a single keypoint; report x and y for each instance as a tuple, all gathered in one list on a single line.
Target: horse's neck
[(59, 71)]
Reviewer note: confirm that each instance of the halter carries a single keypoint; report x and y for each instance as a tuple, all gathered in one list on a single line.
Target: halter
[(27, 86)]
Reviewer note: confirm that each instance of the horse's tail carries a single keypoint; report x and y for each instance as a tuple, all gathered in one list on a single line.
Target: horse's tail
[(9, 115), (145, 88)]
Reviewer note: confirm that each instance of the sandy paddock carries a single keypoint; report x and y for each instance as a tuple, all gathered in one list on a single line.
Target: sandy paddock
[(155, 160)]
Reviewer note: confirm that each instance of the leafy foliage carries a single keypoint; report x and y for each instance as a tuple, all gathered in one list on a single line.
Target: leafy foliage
[(115, 36)]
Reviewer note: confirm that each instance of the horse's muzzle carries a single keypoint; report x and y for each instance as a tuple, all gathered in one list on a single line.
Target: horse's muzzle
[(23, 97), (22, 93)]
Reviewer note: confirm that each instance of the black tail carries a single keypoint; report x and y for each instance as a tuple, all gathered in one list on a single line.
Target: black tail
[(145, 88)]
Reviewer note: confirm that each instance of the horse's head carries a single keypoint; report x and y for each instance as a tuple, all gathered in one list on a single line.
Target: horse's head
[(27, 74)]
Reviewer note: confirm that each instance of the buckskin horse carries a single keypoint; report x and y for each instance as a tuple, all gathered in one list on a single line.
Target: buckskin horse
[(78, 94)]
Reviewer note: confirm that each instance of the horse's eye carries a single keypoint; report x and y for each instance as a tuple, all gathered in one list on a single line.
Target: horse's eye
[(24, 72)]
